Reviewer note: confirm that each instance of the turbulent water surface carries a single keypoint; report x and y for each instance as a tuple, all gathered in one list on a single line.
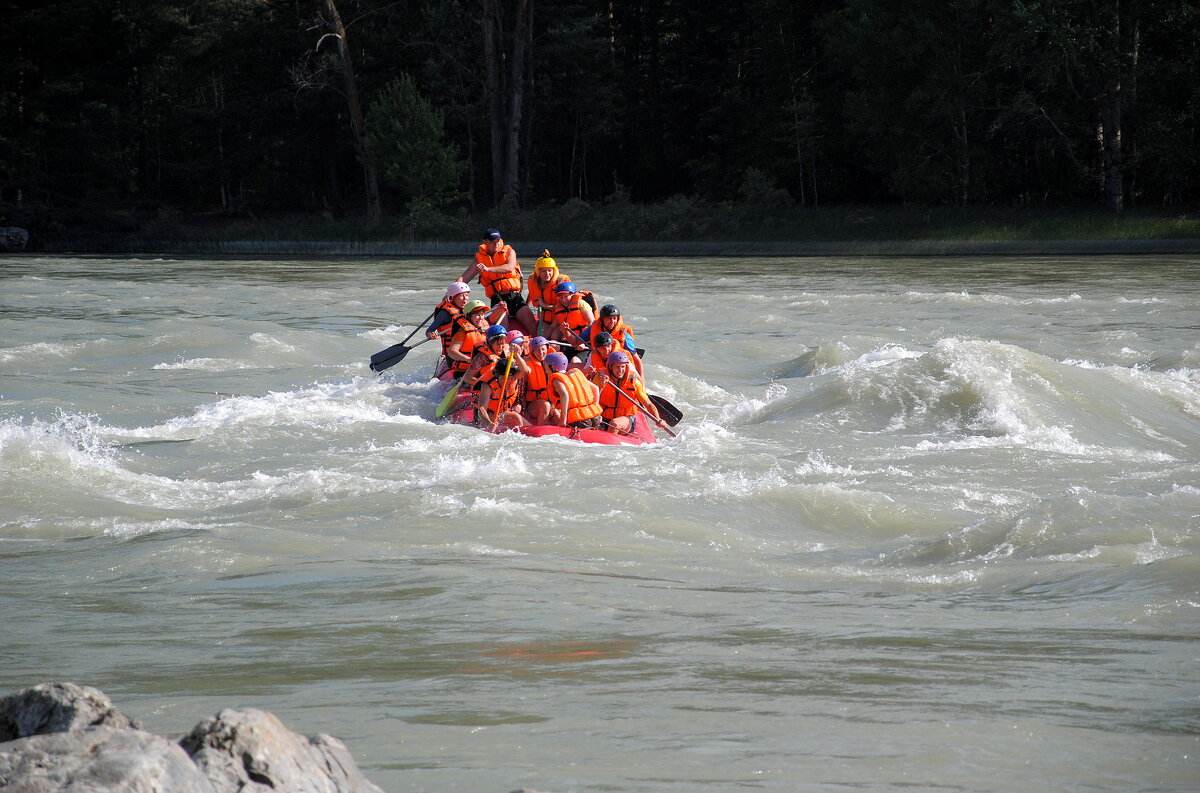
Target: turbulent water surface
[(928, 524)]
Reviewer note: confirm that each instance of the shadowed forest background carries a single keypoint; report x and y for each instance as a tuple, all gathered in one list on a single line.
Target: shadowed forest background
[(130, 111)]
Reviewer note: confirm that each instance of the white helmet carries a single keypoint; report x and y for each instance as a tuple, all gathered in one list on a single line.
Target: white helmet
[(457, 288)]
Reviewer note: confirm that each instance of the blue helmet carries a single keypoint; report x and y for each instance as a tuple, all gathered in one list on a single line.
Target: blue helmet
[(566, 286), (496, 330)]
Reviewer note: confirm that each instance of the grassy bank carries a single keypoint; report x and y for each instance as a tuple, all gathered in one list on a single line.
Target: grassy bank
[(768, 223)]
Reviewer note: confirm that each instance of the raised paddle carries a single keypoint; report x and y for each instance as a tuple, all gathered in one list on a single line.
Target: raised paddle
[(670, 414), (638, 405), (385, 359), (393, 355)]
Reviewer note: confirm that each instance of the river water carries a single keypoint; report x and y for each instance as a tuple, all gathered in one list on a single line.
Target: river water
[(927, 524)]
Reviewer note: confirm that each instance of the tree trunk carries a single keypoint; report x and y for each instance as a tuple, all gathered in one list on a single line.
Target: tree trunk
[(492, 77), (1113, 169), (516, 98), (357, 123), (1131, 39)]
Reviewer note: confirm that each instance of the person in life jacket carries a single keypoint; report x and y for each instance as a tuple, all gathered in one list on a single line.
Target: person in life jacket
[(570, 316), (518, 344), (602, 345), (455, 298), (499, 405), (499, 272), (610, 322), (546, 276), (466, 336), (577, 398), (538, 398), (620, 412), (496, 348)]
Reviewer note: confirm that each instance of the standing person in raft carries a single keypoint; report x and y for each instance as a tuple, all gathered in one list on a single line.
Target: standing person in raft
[(499, 273)]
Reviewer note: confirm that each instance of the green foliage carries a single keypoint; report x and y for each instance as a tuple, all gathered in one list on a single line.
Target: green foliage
[(637, 116), (405, 134)]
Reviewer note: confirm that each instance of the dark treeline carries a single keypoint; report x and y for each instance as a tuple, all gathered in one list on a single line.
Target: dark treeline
[(372, 106)]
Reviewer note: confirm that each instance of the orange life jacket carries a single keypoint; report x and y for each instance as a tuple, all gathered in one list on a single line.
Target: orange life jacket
[(537, 385), (618, 333), (572, 315), (499, 402), (486, 360), (545, 293), (471, 336), (447, 330), (494, 283), (581, 399), (617, 404), (597, 361)]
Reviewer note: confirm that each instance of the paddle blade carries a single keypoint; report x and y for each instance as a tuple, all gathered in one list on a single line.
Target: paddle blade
[(385, 359), (444, 408), (670, 414)]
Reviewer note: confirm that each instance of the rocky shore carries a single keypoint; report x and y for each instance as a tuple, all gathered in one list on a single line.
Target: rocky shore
[(63, 737)]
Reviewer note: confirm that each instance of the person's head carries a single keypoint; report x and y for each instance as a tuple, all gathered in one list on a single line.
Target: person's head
[(545, 268), (492, 239), (516, 339), (505, 367), (476, 312), (458, 293), (556, 361), (610, 315), (602, 343), (539, 346), (617, 363), (565, 292), (497, 337)]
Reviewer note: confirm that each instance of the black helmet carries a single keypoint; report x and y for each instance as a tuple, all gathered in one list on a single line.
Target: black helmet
[(609, 310), (602, 338)]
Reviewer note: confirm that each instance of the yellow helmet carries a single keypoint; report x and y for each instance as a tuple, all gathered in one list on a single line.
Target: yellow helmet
[(545, 262)]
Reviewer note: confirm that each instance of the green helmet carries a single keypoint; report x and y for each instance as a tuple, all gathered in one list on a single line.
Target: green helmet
[(473, 306)]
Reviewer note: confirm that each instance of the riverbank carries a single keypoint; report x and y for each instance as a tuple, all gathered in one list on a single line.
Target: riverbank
[(654, 249), (767, 226)]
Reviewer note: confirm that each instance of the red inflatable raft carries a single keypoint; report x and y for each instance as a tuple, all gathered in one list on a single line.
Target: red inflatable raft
[(462, 411)]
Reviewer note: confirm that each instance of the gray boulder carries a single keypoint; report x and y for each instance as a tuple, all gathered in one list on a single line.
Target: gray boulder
[(98, 760), (58, 707), (250, 751)]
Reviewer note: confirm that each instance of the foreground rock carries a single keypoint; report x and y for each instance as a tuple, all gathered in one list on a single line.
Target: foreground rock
[(58, 707), (99, 759), (250, 750), (65, 738)]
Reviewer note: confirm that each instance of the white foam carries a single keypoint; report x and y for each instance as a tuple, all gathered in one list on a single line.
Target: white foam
[(207, 365)]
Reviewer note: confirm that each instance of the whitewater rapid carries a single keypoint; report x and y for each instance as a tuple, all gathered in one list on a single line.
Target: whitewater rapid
[(927, 522)]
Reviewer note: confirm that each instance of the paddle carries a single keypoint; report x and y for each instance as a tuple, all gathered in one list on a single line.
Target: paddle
[(503, 390), (670, 414), (444, 408), (385, 359), (393, 355), (638, 405)]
